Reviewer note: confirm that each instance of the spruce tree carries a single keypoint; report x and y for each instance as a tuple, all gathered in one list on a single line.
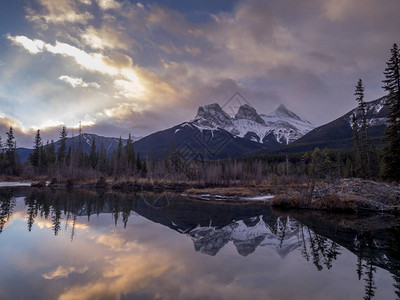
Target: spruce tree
[(11, 152), (51, 153), (356, 148), (391, 152), (130, 153), (119, 163), (361, 139), (35, 157), (63, 146), (42, 158)]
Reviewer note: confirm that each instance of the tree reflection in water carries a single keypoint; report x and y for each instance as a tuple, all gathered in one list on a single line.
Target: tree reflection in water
[(7, 205), (208, 224)]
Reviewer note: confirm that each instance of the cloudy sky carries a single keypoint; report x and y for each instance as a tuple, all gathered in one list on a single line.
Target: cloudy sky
[(121, 66)]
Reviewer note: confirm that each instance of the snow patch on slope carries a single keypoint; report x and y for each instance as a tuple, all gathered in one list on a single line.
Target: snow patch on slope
[(373, 109)]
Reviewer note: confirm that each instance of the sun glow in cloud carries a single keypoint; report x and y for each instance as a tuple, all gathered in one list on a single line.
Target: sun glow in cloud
[(49, 123), (33, 46), (129, 84), (83, 124), (109, 4)]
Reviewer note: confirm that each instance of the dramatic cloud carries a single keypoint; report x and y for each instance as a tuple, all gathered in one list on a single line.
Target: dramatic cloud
[(63, 11), (33, 46), (109, 4), (140, 67), (106, 37), (63, 272), (78, 82)]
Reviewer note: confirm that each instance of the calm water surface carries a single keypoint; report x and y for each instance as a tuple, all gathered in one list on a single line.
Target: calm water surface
[(89, 245)]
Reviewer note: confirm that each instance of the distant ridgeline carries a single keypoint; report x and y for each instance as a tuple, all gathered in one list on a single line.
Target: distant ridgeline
[(213, 134)]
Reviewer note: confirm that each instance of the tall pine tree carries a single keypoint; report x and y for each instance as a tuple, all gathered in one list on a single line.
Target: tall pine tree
[(11, 152), (35, 157), (391, 152), (51, 152), (63, 146), (360, 124), (357, 170), (130, 153)]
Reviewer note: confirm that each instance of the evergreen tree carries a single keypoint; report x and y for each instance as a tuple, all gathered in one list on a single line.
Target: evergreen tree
[(357, 169), (360, 134), (63, 146), (391, 153), (119, 164), (130, 153), (42, 158), (35, 157), (11, 152), (51, 152)]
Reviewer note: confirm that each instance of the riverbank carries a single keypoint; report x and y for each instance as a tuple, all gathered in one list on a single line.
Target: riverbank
[(348, 195), (344, 195)]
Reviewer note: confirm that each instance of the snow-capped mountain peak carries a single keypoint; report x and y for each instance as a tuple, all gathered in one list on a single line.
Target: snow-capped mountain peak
[(283, 112), (212, 116), (282, 126), (249, 113), (286, 125)]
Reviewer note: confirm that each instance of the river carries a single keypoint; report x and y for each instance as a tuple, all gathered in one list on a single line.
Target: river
[(104, 245)]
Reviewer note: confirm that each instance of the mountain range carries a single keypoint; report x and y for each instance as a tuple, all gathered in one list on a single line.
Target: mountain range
[(280, 127), (214, 134)]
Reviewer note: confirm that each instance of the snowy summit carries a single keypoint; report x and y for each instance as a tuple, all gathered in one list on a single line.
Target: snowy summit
[(281, 126)]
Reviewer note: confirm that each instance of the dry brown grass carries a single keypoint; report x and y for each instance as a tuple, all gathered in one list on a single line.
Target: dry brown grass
[(335, 203), (328, 203), (6, 178), (290, 202)]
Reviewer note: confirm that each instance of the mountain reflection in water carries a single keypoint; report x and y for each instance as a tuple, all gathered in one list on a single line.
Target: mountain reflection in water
[(315, 237)]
